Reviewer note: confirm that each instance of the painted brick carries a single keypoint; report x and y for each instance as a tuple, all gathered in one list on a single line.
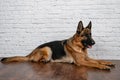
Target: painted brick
[(25, 24)]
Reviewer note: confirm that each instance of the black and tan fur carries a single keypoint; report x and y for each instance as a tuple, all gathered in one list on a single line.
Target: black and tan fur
[(72, 50)]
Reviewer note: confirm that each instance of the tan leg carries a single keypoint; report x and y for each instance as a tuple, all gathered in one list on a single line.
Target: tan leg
[(91, 64), (47, 53), (105, 62), (100, 62), (35, 55), (82, 60), (42, 55)]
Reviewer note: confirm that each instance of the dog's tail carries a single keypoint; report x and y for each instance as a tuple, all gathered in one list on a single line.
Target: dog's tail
[(15, 59), (35, 56)]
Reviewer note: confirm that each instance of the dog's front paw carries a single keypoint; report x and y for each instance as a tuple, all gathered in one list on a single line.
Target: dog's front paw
[(103, 67), (111, 65), (44, 61), (106, 63)]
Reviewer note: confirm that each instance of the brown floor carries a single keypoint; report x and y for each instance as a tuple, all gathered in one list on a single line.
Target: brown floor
[(55, 71)]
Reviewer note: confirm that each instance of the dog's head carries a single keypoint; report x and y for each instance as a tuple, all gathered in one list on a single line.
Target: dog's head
[(83, 36)]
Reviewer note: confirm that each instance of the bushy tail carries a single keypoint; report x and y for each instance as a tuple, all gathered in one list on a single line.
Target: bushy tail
[(36, 55), (15, 59)]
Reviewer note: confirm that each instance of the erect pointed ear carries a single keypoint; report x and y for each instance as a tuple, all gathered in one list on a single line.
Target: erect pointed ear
[(80, 27), (89, 25)]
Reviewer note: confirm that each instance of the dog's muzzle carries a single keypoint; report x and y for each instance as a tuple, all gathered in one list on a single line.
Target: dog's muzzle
[(90, 46), (88, 43)]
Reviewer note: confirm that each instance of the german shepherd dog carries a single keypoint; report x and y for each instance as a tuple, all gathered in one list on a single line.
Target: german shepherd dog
[(72, 50)]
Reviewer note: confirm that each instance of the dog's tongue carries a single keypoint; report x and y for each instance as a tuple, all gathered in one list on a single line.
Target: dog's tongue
[(89, 46)]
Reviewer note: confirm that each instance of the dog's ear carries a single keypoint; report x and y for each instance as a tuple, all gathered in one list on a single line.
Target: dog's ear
[(79, 27), (89, 25)]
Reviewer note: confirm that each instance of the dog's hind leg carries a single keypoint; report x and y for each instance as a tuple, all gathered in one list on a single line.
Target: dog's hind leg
[(40, 55), (33, 56)]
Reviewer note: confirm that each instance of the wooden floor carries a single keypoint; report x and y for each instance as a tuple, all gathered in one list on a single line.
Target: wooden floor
[(55, 71)]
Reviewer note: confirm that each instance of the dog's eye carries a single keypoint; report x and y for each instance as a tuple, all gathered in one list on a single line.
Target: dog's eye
[(78, 32), (82, 35), (90, 34)]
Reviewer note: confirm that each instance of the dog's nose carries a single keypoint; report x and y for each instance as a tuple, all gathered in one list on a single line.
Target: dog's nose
[(93, 42)]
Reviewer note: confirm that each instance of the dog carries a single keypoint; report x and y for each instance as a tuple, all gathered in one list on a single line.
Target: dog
[(71, 50)]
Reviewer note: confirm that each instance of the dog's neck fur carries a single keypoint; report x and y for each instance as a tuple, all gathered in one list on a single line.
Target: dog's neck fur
[(75, 46)]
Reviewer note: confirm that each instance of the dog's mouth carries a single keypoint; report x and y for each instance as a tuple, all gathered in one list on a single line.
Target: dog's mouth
[(89, 46)]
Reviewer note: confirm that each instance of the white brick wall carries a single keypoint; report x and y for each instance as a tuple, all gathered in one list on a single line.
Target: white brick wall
[(25, 24)]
